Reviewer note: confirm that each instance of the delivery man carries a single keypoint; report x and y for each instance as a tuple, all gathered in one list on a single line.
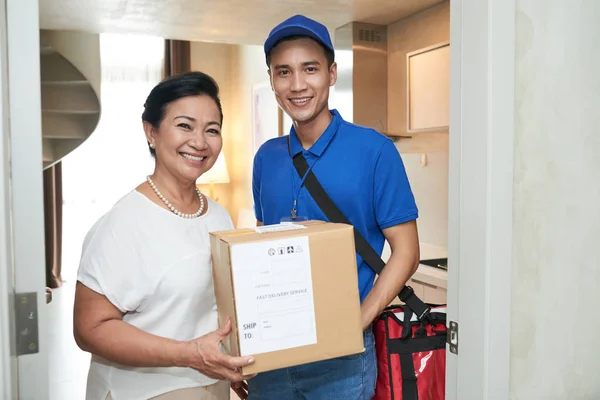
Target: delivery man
[(362, 172)]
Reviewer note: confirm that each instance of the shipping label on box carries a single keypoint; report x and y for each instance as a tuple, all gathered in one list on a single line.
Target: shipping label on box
[(273, 289)]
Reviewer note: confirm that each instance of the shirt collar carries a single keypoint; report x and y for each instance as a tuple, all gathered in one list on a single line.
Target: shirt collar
[(321, 144)]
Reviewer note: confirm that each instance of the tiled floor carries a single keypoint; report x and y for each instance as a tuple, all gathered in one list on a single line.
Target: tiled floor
[(68, 365)]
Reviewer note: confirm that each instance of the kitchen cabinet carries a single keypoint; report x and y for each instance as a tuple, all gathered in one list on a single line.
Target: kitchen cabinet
[(427, 292), (429, 283), (418, 50), (418, 287), (431, 294), (428, 89)]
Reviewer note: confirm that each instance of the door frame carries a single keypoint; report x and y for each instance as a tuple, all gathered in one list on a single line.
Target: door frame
[(8, 362), (22, 207), (481, 147)]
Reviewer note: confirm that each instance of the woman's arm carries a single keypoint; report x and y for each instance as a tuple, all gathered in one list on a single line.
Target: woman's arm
[(99, 329)]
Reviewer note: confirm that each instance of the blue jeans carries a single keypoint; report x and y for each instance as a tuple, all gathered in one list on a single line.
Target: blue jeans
[(349, 378)]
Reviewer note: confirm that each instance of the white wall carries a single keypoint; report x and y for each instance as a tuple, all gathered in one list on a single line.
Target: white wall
[(115, 158), (429, 184), (554, 348)]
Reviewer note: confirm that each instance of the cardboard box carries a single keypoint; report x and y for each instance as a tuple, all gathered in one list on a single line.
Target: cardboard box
[(291, 291)]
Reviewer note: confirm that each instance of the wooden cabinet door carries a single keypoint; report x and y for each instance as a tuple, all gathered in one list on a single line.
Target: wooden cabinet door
[(429, 293)]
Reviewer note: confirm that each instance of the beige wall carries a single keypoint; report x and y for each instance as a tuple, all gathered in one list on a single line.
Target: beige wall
[(430, 182), (236, 69), (215, 60), (556, 212), (250, 67), (430, 187)]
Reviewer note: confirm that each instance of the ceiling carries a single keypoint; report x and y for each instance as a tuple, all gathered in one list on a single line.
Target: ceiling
[(226, 21)]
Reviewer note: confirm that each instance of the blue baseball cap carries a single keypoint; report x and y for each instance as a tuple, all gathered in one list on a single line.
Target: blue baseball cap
[(298, 25)]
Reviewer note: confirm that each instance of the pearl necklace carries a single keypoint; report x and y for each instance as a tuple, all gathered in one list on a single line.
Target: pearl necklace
[(173, 209)]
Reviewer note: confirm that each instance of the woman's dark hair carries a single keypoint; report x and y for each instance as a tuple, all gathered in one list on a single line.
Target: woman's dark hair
[(194, 83)]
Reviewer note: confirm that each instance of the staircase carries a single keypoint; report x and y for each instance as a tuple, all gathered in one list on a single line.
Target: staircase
[(70, 87)]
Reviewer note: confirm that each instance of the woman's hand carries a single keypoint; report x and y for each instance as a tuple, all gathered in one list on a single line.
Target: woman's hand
[(99, 329), (241, 389), (205, 356)]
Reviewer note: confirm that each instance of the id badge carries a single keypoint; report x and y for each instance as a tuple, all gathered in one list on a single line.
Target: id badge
[(293, 219)]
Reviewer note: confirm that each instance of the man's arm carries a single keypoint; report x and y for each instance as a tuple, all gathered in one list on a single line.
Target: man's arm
[(403, 262)]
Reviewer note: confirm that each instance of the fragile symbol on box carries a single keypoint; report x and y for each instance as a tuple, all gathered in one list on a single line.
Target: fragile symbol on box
[(281, 250)]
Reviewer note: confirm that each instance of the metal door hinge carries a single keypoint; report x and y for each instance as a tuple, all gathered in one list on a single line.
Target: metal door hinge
[(453, 337), (26, 318)]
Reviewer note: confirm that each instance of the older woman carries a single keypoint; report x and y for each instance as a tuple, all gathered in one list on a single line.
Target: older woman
[(144, 303)]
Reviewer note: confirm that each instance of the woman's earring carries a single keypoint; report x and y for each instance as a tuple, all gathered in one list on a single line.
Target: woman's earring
[(151, 145)]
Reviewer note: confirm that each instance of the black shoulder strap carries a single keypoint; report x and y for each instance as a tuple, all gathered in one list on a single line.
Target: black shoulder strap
[(363, 248)]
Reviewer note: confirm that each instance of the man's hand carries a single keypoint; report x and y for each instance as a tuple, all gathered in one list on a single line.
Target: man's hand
[(241, 389), (204, 355)]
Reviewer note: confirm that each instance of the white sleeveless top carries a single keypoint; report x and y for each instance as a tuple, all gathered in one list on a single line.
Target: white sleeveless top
[(155, 267)]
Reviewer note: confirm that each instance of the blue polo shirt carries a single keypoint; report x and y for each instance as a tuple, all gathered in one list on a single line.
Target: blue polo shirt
[(358, 167)]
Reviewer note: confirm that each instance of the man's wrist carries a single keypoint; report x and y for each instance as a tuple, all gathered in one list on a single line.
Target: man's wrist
[(368, 315)]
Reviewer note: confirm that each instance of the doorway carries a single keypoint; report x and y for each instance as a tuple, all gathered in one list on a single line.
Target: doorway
[(480, 204), (95, 175)]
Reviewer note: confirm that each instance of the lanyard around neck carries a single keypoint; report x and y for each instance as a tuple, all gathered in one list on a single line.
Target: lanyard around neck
[(296, 193), (303, 178)]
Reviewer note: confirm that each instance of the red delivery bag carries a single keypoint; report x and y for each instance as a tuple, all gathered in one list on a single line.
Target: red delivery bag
[(411, 354), (410, 341)]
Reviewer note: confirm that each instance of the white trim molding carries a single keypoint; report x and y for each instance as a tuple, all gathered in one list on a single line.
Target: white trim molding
[(8, 361), (26, 183), (481, 168)]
